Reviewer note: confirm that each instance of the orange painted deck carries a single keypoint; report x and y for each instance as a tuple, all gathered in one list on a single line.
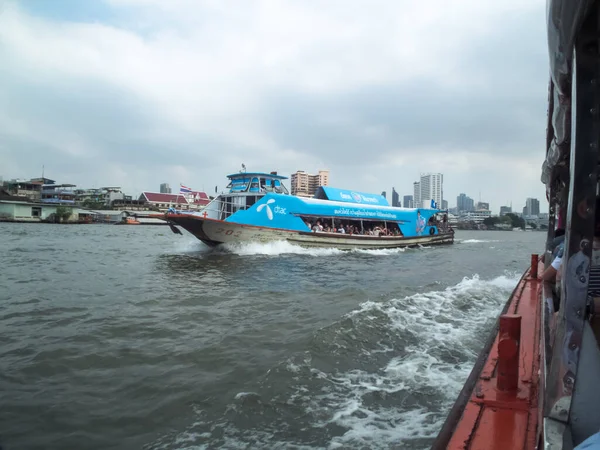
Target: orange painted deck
[(497, 420)]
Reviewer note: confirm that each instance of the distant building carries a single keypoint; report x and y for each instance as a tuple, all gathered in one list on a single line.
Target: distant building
[(532, 207), (475, 216), (482, 205), (384, 194), (431, 188), (417, 195), (464, 203), (445, 205), (29, 189), (162, 202), (504, 210), (165, 188), (407, 201), (395, 198), (304, 184), (106, 196), (61, 194), (20, 209)]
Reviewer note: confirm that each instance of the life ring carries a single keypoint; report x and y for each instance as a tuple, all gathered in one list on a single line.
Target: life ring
[(432, 231)]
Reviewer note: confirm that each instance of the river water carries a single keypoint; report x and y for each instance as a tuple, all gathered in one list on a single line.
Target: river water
[(131, 337)]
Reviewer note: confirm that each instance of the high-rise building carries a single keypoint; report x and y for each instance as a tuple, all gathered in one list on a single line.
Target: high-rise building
[(165, 188), (464, 203), (417, 195), (431, 185), (504, 210), (304, 184), (532, 207), (384, 194), (445, 205), (407, 201), (395, 198)]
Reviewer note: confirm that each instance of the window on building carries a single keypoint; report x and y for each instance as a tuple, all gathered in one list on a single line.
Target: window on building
[(36, 211)]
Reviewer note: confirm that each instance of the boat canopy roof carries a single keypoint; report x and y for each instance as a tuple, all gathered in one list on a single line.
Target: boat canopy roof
[(256, 183), (341, 195), (271, 175), (318, 207)]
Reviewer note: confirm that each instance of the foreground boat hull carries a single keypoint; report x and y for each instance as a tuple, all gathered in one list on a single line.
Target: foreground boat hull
[(486, 413), (214, 232)]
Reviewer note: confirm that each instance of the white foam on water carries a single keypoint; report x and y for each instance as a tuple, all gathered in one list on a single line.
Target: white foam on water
[(403, 401), (380, 251), (438, 320), (475, 241), (190, 246), (277, 248)]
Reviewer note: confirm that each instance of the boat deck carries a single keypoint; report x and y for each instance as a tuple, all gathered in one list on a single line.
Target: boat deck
[(507, 418)]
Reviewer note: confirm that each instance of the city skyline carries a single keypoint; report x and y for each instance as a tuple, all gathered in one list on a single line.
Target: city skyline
[(325, 174)]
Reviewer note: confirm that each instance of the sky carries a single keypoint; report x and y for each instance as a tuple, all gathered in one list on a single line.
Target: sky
[(134, 93)]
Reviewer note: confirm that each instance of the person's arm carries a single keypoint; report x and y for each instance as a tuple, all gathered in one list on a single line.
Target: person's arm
[(550, 272)]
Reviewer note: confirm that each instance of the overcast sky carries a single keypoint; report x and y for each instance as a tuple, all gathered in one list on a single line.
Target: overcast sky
[(134, 93)]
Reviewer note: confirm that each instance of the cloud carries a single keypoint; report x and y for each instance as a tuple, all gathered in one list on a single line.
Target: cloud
[(138, 92)]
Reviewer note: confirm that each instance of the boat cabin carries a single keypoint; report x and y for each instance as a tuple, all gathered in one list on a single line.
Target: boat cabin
[(244, 190)]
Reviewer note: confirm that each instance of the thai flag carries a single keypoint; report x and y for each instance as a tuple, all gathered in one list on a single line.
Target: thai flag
[(184, 190)]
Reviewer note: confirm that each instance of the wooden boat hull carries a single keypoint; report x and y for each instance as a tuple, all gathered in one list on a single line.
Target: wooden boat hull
[(214, 232)]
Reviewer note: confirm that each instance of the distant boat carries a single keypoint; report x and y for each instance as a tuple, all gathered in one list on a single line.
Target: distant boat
[(128, 221), (258, 208)]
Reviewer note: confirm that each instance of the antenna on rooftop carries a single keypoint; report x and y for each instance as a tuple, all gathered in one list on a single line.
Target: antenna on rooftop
[(243, 168)]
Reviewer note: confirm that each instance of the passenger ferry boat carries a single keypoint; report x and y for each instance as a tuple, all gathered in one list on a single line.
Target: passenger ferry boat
[(536, 381), (258, 208)]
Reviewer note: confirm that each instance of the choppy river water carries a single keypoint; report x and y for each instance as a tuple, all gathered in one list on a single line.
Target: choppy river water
[(133, 337)]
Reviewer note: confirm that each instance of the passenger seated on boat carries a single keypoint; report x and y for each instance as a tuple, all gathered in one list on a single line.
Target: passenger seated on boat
[(559, 239), (341, 229), (551, 271)]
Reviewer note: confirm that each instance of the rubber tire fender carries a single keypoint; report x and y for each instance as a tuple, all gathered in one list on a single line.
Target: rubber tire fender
[(432, 231)]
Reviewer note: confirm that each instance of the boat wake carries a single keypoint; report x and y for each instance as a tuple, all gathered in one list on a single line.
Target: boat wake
[(382, 376), (475, 241), (278, 248)]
